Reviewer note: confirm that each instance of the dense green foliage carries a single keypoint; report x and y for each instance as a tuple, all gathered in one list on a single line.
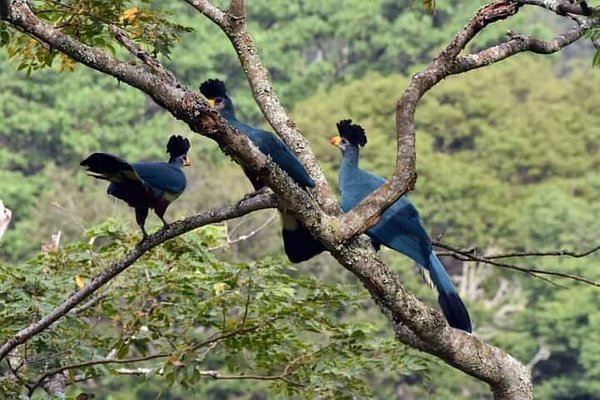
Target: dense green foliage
[(507, 160), (259, 318)]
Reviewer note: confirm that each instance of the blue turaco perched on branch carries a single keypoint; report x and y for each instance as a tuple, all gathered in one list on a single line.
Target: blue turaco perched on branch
[(298, 243), (399, 227), (144, 185)]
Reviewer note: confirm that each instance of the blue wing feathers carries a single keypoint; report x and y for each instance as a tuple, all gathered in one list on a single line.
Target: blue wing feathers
[(161, 176), (279, 152)]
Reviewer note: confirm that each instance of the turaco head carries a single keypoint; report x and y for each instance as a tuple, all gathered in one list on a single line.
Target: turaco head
[(178, 147), (351, 136), (216, 93)]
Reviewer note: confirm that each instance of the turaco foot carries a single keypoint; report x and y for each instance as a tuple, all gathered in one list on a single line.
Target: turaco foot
[(144, 237)]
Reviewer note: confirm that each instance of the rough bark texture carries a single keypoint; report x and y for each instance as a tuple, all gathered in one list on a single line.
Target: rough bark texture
[(414, 323)]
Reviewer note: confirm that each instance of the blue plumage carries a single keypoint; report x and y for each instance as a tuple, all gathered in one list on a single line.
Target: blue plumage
[(144, 185), (279, 152), (298, 243), (163, 178), (400, 227)]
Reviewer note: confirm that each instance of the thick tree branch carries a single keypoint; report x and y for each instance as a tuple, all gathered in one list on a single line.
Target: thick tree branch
[(562, 7), (517, 44), (175, 229)]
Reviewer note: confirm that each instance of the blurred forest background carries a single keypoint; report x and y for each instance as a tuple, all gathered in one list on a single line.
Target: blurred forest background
[(508, 160)]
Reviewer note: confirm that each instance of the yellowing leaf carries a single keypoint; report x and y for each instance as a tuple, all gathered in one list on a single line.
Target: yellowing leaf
[(130, 15), (220, 288), (429, 4), (79, 281), (175, 361)]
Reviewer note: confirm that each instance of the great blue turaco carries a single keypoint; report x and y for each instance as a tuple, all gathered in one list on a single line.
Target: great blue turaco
[(399, 227), (298, 243), (144, 185)]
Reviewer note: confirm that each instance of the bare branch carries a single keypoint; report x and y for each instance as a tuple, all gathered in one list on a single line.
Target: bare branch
[(121, 36), (15, 373), (245, 236), (164, 93), (175, 229), (111, 360), (88, 304), (237, 11), (562, 7), (517, 44), (542, 354), (211, 12), (535, 272), (557, 253), (217, 375)]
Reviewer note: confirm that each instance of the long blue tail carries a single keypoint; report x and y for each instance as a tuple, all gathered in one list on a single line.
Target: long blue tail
[(452, 306)]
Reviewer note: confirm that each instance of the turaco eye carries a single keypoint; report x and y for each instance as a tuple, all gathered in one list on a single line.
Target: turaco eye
[(218, 100), (344, 141)]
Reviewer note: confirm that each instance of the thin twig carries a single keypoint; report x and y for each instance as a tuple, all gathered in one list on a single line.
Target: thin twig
[(217, 375), (471, 256), (109, 360), (89, 304), (557, 253), (16, 374), (245, 236)]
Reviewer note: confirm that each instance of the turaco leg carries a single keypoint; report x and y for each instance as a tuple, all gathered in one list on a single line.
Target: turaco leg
[(160, 209), (140, 216), (257, 184)]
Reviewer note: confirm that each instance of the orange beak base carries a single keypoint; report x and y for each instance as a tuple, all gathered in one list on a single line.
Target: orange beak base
[(335, 140)]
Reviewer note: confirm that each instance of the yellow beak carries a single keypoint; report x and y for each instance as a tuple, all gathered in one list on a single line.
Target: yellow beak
[(211, 102), (335, 140), (187, 162)]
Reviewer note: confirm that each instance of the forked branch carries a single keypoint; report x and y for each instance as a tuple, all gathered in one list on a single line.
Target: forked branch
[(448, 62)]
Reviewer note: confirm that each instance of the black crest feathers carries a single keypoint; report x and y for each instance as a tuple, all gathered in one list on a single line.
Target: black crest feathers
[(213, 88), (353, 133), (178, 145)]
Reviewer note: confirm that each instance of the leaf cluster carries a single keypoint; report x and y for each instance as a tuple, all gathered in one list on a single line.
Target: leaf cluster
[(198, 313)]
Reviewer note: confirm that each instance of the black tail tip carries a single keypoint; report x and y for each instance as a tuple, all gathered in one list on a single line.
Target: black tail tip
[(455, 311), (105, 163), (299, 245)]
